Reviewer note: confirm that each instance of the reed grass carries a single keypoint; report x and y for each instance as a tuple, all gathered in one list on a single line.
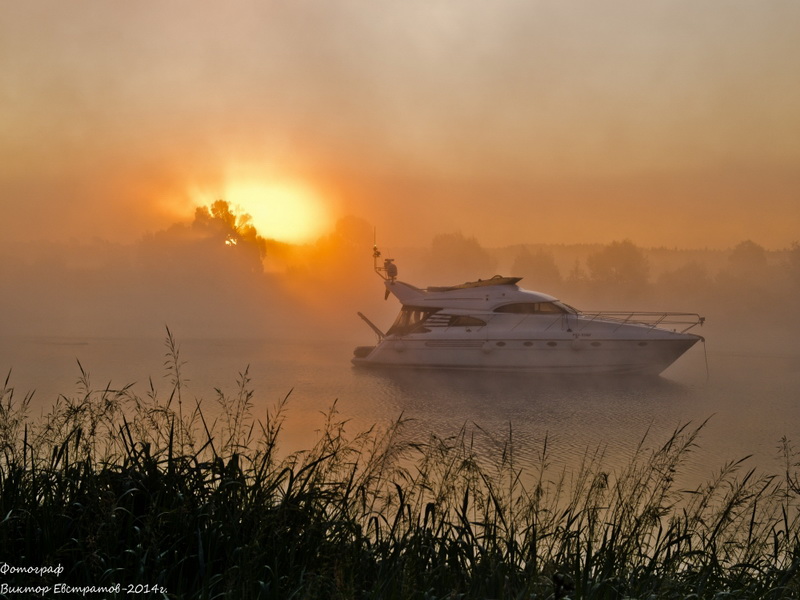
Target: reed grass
[(149, 490)]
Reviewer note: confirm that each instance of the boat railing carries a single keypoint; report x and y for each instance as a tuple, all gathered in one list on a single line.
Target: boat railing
[(671, 320)]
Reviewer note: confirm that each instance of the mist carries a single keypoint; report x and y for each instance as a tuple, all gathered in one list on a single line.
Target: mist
[(670, 123), (290, 312), (194, 278)]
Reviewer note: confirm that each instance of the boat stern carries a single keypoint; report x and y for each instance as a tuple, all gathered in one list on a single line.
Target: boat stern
[(361, 354)]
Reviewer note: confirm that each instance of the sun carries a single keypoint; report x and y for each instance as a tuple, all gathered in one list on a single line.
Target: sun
[(286, 211)]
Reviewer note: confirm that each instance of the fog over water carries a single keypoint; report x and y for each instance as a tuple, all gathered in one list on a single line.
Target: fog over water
[(295, 326), (750, 397)]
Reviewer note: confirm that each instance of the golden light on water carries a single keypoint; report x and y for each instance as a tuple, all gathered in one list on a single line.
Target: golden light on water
[(287, 211)]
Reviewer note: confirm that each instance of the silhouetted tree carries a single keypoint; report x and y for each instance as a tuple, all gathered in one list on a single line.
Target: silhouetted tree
[(748, 280), (794, 263), (345, 254), (219, 225), (207, 273), (620, 266), (538, 268), (577, 274), (460, 258), (218, 249), (689, 281), (748, 258)]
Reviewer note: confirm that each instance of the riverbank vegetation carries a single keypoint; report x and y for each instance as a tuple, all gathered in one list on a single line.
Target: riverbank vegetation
[(187, 500), (216, 276)]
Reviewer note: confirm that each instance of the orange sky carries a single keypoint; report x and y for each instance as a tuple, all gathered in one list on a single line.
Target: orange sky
[(668, 122)]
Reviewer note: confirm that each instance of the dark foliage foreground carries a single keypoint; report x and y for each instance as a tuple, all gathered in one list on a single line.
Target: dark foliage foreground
[(146, 494)]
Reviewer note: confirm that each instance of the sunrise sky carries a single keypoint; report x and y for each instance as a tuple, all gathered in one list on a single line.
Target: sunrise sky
[(668, 122)]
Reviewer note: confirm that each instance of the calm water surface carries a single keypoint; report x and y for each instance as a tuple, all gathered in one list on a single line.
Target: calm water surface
[(751, 398)]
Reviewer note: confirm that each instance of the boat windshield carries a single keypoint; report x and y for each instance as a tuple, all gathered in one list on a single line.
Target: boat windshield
[(567, 308), (535, 308), (411, 318)]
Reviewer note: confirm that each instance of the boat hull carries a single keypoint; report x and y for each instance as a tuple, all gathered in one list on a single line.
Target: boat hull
[(612, 356)]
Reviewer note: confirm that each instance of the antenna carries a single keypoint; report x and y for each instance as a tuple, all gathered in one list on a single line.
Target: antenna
[(388, 270), (376, 254)]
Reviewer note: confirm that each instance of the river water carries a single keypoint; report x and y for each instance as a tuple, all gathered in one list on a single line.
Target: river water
[(750, 398)]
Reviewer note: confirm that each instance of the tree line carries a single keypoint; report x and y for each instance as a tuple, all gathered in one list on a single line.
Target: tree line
[(216, 273)]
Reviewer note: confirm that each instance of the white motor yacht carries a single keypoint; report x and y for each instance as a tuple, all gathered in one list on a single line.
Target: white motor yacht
[(495, 324)]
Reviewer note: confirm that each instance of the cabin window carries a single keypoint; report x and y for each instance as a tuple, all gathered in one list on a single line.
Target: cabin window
[(465, 321), (411, 320), (532, 308)]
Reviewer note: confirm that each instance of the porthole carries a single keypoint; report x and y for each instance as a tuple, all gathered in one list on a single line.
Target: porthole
[(528, 344), (552, 343), (643, 343), (501, 343), (596, 344)]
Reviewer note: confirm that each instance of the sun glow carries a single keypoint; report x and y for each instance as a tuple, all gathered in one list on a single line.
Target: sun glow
[(286, 211)]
